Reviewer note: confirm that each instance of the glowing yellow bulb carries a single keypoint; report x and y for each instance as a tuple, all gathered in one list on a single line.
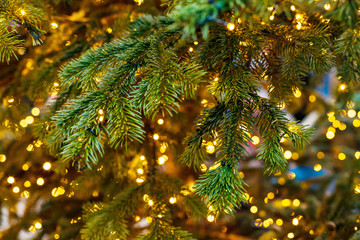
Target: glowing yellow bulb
[(290, 235), (25, 194), (161, 121), (40, 181), (151, 202), (357, 155), (142, 158), (292, 8), (255, 140), (210, 149), (161, 160), (330, 135), (210, 218), (342, 126), (23, 123), (287, 154), (47, 166), (203, 168), (281, 181), (295, 156), (271, 17), (298, 26), (156, 136), (109, 30), (286, 202), (35, 111), (342, 87), (27, 184), (270, 195), (357, 189), (149, 219), (101, 118), (10, 180), (2, 158), (258, 222), (191, 49), (172, 200), (296, 202), (351, 113), (297, 93), (22, 11), (295, 221), (56, 236), (101, 111), (317, 167), (312, 98), (356, 123), (16, 189), (137, 218), (279, 222), (230, 26), (38, 225), (140, 180), (327, 6), (30, 147), (196, 43), (341, 156), (253, 209), (25, 167), (140, 171), (54, 25)]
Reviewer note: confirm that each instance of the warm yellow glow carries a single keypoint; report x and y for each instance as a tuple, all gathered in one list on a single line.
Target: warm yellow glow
[(282, 105), (253, 209), (25, 167), (330, 135), (270, 195), (287, 154), (312, 98), (291, 175), (27, 184), (329, 114), (255, 140), (203, 168), (23, 123), (2, 158), (342, 126), (292, 8), (279, 222), (210, 149), (286, 202), (38, 225), (327, 6), (341, 156), (40, 181), (266, 223), (146, 198), (331, 118), (295, 221), (161, 121), (149, 219), (258, 222), (137, 218), (101, 111), (196, 43), (140, 180), (210, 218), (317, 167), (25, 194), (272, 17), (109, 30), (295, 156), (356, 123), (290, 235), (191, 49), (351, 113), (357, 155), (161, 160), (281, 181), (320, 155), (297, 93), (16, 189), (56, 236), (172, 200), (242, 174), (296, 202), (357, 189), (10, 180), (140, 171), (298, 26), (30, 147), (35, 111), (156, 136), (230, 26), (216, 79), (22, 11), (101, 118), (54, 25), (342, 87), (151, 202), (142, 158), (47, 166)]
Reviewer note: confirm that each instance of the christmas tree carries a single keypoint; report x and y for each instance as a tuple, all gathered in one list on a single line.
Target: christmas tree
[(179, 119)]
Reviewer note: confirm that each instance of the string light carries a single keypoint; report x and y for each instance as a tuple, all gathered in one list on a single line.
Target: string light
[(156, 136), (203, 168), (191, 49), (40, 181), (150, 202), (22, 11), (253, 209), (47, 166), (27, 184), (356, 123), (295, 221), (342, 87), (172, 200), (140, 171), (10, 180), (56, 236), (196, 43), (38, 225), (330, 135), (327, 6), (255, 140), (296, 203), (210, 149), (230, 26), (290, 235), (35, 111), (161, 160), (342, 156), (16, 189), (351, 113), (25, 167), (161, 121), (297, 93), (270, 195), (279, 222), (210, 218), (312, 98), (272, 17), (317, 167), (292, 8), (295, 156), (357, 155), (2, 158), (287, 154)]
